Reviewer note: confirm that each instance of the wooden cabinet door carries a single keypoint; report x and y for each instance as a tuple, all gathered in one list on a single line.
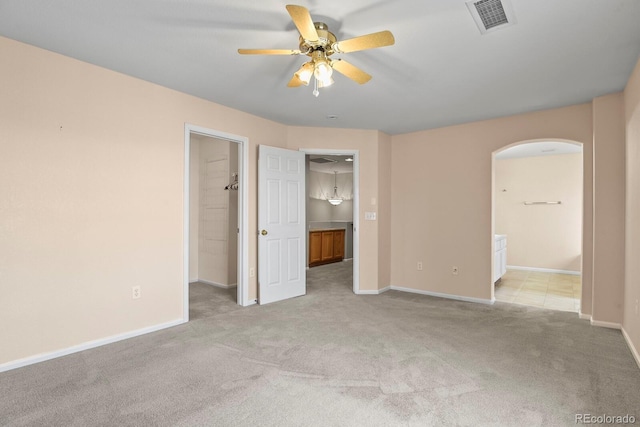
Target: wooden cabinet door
[(327, 245), (315, 247), (338, 244)]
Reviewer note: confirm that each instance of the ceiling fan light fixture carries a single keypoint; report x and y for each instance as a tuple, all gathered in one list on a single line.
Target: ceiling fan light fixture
[(323, 70), (326, 82), (318, 43), (305, 72)]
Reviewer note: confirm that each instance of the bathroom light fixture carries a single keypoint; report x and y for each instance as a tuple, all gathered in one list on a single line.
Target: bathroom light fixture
[(349, 159), (335, 200)]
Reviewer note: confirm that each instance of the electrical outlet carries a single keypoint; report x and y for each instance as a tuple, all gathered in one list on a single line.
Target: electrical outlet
[(454, 270), (252, 272), (135, 292), (419, 265)]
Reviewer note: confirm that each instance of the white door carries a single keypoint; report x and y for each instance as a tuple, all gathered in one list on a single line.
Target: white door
[(281, 224)]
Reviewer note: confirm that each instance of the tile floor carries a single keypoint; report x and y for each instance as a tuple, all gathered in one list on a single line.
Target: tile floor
[(548, 290)]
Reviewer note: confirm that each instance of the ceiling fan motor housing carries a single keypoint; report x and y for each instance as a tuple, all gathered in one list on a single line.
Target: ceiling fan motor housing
[(325, 41)]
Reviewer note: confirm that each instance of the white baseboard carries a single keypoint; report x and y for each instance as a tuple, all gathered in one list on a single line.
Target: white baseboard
[(218, 285), (86, 346), (602, 324), (634, 351), (543, 270), (583, 316), (373, 292), (447, 296)]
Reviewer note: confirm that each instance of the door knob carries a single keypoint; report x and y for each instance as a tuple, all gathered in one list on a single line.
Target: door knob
[(263, 232)]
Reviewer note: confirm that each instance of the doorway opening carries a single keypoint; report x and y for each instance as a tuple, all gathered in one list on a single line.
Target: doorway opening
[(537, 222), (331, 215), (215, 215)]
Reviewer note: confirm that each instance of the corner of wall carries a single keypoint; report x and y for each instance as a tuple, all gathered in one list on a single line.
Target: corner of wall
[(608, 208), (631, 316), (384, 210)]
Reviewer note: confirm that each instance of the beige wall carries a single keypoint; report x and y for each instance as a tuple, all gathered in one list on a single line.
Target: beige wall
[(384, 210), (608, 204), (366, 142), (91, 177), (631, 321), (441, 197), (194, 208), (540, 236)]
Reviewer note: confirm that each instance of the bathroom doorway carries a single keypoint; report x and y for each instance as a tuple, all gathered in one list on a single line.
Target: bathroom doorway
[(332, 222), (538, 225)]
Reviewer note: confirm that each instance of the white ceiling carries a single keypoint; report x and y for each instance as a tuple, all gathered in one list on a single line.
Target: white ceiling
[(339, 164), (441, 70)]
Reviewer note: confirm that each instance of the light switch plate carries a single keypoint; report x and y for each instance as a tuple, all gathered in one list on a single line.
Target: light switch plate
[(370, 216)]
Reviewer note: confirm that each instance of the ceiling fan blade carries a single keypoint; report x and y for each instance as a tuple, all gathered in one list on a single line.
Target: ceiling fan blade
[(302, 19), (370, 41), (295, 82), (351, 71), (269, 52)]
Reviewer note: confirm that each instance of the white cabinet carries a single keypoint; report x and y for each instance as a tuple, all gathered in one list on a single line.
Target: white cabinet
[(499, 257)]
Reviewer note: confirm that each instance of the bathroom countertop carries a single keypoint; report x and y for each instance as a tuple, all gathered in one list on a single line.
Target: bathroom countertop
[(327, 229)]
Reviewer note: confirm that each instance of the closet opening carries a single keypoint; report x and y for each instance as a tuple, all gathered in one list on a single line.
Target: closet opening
[(216, 252)]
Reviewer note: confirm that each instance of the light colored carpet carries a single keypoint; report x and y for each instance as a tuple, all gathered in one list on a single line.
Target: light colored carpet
[(332, 358)]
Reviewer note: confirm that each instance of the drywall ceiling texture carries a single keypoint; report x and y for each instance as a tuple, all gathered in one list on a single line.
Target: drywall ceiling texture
[(440, 71)]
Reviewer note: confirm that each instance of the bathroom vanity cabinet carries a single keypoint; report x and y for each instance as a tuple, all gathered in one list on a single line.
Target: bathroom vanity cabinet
[(326, 246), (499, 257)]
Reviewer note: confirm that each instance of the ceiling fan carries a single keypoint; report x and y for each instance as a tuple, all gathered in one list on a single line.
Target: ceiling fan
[(318, 43)]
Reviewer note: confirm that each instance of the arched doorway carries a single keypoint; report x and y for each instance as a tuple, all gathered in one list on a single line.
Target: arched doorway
[(537, 222)]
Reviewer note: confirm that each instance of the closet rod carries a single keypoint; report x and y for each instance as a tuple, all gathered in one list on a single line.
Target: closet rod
[(543, 203)]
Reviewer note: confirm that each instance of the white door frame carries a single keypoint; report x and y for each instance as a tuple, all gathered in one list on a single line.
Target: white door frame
[(243, 212), (356, 205)]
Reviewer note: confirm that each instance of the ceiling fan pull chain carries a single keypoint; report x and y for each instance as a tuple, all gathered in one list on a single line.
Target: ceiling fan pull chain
[(316, 92)]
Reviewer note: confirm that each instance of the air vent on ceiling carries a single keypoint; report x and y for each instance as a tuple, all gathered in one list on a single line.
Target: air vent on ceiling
[(491, 15), (322, 160)]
